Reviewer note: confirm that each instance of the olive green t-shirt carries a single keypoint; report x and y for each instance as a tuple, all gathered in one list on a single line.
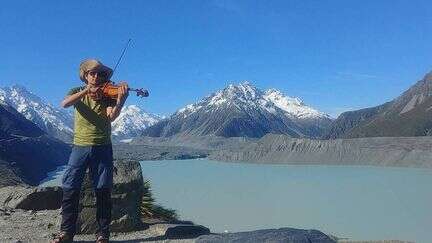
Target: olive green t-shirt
[(91, 124)]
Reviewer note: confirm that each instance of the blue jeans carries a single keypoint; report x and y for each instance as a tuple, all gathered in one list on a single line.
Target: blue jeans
[(99, 160)]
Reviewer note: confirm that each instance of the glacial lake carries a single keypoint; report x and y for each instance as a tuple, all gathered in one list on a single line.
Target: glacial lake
[(356, 202)]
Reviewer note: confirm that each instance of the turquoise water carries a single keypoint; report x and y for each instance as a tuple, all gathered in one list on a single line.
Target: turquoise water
[(362, 203)]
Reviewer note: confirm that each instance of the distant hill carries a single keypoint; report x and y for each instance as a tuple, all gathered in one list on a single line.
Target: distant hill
[(26, 152), (243, 111), (410, 114)]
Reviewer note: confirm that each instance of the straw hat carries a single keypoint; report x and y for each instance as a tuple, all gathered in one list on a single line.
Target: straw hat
[(93, 65)]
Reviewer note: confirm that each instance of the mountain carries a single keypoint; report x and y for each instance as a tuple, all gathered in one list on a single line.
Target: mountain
[(131, 122), (410, 114), (55, 121), (243, 111), (27, 153), (311, 120), (13, 124), (58, 122)]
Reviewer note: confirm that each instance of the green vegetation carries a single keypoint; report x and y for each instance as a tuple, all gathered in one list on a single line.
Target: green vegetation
[(151, 210)]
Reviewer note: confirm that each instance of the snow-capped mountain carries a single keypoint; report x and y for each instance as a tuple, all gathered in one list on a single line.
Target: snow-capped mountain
[(244, 111), (131, 122), (58, 122), (294, 107), (55, 121)]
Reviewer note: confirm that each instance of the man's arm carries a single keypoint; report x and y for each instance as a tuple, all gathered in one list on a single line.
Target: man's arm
[(114, 111), (74, 98)]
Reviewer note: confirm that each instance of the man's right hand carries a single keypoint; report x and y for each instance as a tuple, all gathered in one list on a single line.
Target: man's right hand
[(76, 97)]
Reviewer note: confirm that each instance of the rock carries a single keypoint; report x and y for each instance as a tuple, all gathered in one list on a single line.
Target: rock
[(122, 223), (10, 196), (186, 231), (179, 231), (31, 198), (9, 174), (286, 235), (126, 198)]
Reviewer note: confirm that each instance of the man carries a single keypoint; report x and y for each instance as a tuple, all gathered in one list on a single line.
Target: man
[(91, 148)]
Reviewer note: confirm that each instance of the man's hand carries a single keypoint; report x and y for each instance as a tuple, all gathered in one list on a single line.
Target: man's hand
[(123, 93), (74, 98)]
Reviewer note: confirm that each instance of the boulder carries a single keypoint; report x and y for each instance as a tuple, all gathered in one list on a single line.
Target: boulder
[(286, 235), (126, 198), (31, 198), (179, 231)]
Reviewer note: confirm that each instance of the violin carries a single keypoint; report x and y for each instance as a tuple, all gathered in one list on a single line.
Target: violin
[(110, 90)]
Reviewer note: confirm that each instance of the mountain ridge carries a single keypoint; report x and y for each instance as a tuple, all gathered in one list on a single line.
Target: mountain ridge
[(409, 114)]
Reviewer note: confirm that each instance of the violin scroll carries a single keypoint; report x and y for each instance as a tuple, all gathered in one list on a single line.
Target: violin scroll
[(140, 92)]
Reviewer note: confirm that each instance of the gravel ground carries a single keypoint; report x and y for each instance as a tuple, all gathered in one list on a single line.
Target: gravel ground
[(38, 226)]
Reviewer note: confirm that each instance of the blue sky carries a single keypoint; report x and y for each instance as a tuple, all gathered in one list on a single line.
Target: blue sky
[(334, 55)]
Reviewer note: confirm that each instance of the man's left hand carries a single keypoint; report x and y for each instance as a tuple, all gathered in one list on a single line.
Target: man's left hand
[(123, 92)]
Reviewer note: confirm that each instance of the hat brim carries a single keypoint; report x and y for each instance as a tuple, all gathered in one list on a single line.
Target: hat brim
[(98, 68)]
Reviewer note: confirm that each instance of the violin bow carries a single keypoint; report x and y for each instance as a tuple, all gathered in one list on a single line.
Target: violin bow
[(121, 56), (140, 92)]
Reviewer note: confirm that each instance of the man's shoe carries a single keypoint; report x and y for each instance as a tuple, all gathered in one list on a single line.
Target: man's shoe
[(102, 239), (62, 237)]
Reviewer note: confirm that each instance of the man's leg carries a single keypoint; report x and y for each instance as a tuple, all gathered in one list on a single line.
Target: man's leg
[(71, 185), (69, 212), (101, 169), (103, 211)]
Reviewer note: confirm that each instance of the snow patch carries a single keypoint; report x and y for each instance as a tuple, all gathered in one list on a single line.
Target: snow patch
[(294, 107)]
